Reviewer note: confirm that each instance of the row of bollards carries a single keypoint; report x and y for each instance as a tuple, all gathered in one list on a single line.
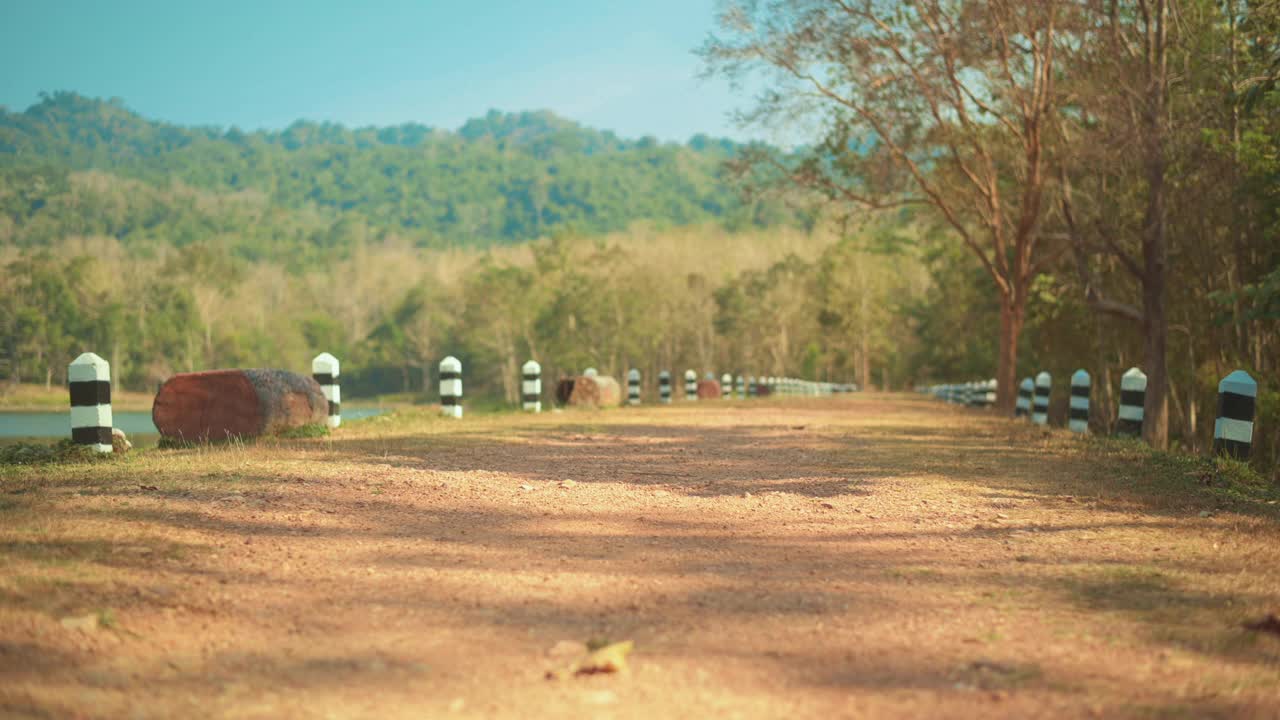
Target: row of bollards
[(89, 381), (1133, 398), (1237, 404), (1040, 399), (324, 368), (1232, 430), (89, 378), (531, 387), (1078, 412)]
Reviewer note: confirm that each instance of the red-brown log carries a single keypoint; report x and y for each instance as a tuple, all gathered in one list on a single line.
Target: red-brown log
[(225, 404), (708, 389)]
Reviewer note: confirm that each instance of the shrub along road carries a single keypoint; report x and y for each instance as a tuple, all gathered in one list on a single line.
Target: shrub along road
[(865, 556)]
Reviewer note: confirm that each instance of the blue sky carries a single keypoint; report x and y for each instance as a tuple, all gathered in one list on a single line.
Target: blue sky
[(625, 66)]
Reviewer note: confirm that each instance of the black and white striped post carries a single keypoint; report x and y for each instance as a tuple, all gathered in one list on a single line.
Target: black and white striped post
[(1237, 402), (1040, 401), (726, 386), (633, 387), (752, 389), (1025, 391), (451, 387), (89, 378), (531, 387), (992, 387), (1133, 398), (1078, 420), (742, 387), (324, 368), (664, 387), (690, 385)]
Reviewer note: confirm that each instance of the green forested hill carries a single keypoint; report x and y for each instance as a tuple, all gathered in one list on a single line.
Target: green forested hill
[(76, 165)]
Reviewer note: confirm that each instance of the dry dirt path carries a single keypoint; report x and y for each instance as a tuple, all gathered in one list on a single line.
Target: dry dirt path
[(854, 557)]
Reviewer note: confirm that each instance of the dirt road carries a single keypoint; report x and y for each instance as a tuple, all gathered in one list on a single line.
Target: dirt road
[(855, 557)]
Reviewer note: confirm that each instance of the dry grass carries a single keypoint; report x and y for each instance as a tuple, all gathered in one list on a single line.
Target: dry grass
[(861, 557)]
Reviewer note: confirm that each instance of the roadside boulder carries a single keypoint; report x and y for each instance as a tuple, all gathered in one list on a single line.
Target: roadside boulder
[(589, 391), (708, 389), (226, 404)]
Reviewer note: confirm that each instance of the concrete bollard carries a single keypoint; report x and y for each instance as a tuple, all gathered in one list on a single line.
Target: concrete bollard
[(633, 387), (324, 368), (690, 385), (1040, 401), (1078, 420), (753, 389), (89, 378), (664, 387), (992, 386), (741, 384), (1237, 403), (531, 387), (1133, 398), (1023, 407), (726, 386), (451, 387), (590, 372)]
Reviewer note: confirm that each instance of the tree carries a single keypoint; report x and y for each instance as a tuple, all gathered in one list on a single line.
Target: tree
[(941, 103), (1142, 146), (499, 309)]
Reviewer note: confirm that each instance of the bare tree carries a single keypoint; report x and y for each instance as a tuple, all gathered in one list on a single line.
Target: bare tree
[(944, 104)]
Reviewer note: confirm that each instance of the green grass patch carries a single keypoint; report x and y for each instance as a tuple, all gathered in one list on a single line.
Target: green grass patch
[(302, 432), (62, 452), (1182, 478), (314, 430)]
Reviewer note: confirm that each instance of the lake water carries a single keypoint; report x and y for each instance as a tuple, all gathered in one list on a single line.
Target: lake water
[(58, 425)]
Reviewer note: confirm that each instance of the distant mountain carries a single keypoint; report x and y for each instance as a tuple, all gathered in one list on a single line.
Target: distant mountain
[(502, 178)]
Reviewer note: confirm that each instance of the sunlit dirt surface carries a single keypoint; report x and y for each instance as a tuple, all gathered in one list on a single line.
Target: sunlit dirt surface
[(873, 556)]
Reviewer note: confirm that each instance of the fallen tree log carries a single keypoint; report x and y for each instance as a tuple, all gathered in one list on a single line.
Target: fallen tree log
[(224, 404), (708, 389), (589, 391)]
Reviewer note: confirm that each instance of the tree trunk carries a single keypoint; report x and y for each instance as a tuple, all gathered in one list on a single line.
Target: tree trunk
[(1155, 330), (1155, 325), (864, 372), (510, 368), (1012, 313)]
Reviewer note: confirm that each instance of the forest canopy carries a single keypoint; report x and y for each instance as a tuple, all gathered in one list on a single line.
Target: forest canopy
[(316, 187)]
